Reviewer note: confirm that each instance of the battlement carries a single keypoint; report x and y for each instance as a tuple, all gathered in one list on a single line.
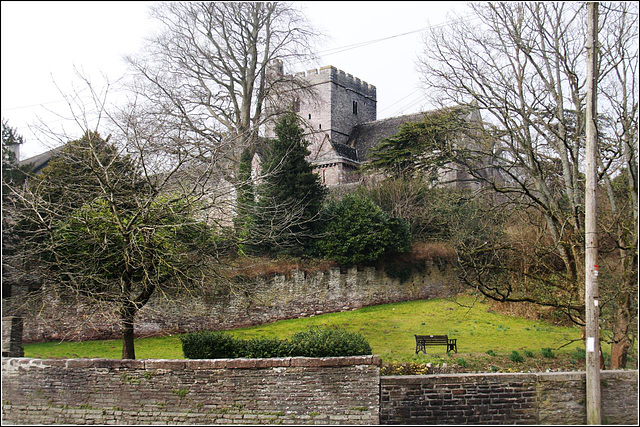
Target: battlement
[(331, 73)]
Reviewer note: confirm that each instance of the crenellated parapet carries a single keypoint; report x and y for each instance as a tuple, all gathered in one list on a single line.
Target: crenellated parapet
[(341, 78)]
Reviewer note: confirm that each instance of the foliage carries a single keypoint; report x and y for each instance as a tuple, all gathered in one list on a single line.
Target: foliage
[(328, 342), (356, 231), (208, 345), (516, 357), (419, 148), (313, 342), (13, 178), (290, 195), (87, 246), (100, 228), (78, 173), (531, 95), (263, 347), (547, 352), (433, 213), (12, 174)]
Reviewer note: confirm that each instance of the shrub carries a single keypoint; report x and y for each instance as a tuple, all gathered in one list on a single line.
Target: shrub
[(313, 342), (547, 352), (356, 230), (528, 353), (516, 357), (579, 354), (208, 345), (328, 342), (399, 270), (491, 352), (264, 348), (462, 362)]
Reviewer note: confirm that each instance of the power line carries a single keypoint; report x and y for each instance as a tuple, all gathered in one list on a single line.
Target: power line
[(327, 52)]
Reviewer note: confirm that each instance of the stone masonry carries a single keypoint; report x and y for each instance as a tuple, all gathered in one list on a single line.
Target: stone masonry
[(299, 390), (224, 391), (255, 301), (12, 337), (526, 398)]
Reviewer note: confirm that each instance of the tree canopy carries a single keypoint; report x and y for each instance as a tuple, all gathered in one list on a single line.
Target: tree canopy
[(524, 67)]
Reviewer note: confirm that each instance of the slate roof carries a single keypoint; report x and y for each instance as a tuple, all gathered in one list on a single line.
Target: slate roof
[(41, 160), (346, 151), (365, 136)]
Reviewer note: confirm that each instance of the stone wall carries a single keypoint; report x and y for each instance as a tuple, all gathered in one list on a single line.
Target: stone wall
[(226, 391), (254, 301), (12, 337), (535, 398)]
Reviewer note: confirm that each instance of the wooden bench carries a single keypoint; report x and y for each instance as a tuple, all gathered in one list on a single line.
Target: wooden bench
[(422, 341)]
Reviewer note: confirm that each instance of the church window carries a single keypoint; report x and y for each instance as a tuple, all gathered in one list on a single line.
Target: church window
[(309, 116), (320, 126), (296, 105), (355, 107)]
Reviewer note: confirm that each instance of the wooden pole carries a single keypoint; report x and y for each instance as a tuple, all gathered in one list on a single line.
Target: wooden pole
[(591, 236)]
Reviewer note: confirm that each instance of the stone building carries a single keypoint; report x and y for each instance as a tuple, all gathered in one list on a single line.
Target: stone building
[(340, 118)]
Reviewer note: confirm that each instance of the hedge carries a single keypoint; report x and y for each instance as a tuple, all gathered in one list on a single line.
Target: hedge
[(313, 342)]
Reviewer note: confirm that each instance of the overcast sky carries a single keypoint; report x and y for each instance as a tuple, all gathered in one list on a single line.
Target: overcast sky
[(42, 42)]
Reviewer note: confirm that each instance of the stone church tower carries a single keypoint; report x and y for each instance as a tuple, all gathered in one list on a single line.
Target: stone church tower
[(335, 104), (338, 112)]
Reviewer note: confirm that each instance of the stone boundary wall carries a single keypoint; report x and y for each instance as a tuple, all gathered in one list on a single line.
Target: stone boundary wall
[(12, 337), (226, 391), (253, 301), (525, 398)]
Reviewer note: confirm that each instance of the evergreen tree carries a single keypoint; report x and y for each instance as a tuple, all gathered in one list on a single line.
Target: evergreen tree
[(290, 195)]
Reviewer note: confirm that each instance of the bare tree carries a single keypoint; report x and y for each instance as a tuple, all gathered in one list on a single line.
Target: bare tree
[(524, 67), (216, 68)]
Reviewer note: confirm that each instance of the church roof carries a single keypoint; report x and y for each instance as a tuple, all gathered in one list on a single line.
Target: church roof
[(346, 151), (39, 161), (366, 136)]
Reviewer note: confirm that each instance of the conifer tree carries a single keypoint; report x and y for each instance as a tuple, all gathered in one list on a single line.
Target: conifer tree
[(290, 195)]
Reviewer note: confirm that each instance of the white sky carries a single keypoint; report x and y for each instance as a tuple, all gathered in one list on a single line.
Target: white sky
[(42, 42)]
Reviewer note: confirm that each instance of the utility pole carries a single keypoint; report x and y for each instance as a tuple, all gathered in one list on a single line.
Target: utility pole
[(591, 236)]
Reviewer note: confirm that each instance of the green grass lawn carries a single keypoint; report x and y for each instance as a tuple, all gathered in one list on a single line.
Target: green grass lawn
[(389, 329)]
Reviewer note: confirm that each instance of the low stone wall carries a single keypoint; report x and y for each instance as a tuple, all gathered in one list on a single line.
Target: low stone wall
[(254, 301), (226, 391), (535, 398)]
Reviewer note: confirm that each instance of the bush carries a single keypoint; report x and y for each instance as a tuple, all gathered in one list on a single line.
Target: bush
[(399, 270), (356, 231), (257, 348), (328, 342), (208, 345), (547, 352), (314, 342), (579, 354), (515, 357)]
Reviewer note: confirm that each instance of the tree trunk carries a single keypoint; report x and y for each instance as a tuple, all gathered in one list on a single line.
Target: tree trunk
[(621, 343), (127, 315)]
